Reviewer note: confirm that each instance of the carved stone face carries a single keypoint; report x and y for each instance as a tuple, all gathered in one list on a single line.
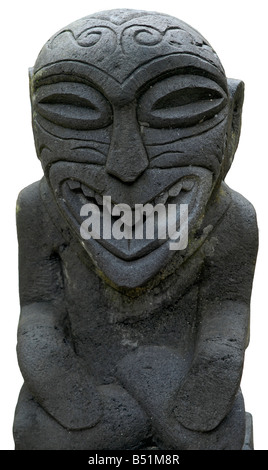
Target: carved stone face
[(133, 106)]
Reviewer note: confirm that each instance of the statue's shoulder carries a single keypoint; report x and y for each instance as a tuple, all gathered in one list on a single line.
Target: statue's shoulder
[(29, 204), (33, 219), (239, 226), (242, 211)]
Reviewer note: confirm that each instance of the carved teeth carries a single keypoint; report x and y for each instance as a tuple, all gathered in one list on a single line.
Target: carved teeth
[(73, 184), (161, 199), (98, 198), (87, 191), (175, 190), (187, 185)]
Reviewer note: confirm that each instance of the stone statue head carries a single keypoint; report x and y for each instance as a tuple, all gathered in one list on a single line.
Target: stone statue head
[(135, 106)]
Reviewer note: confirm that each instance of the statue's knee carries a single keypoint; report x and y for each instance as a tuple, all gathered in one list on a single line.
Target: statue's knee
[(229, 434), (33, 428), (25, 421)]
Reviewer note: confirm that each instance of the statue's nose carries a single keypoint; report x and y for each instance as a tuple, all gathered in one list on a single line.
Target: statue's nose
[(127, 158)]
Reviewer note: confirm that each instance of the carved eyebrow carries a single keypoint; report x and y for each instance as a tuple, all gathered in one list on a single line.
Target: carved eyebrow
[(184, 78), (164, 66), (52, 78), (183, 72)]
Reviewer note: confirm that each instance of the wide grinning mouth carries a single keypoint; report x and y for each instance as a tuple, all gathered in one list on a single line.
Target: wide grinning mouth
[(76, 194), (86, 195)]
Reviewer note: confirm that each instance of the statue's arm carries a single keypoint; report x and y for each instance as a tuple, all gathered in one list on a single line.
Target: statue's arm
[(55, 375), (209, 389)]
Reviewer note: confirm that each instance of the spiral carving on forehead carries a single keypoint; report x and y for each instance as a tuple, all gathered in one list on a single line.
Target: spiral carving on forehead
[(118, 49), (99, 37), (143, 35), (96, 36), (150, 36)]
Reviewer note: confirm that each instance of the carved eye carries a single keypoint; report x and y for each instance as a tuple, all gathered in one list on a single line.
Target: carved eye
[(73, 105), (181, 101)]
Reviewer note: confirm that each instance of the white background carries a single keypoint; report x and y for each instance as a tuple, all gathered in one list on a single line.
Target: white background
[(237, 30)]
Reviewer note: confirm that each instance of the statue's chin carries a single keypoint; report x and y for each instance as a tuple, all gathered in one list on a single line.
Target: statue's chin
[(127, 274)]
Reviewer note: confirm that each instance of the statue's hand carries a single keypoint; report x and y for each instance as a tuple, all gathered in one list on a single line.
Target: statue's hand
[(152, 374), (209, 389), (55, 375)]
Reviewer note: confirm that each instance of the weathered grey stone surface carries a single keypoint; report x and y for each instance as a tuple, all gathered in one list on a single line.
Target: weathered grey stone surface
[(249, 441), (126, 344)]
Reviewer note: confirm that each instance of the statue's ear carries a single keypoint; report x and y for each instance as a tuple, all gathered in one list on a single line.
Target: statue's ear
[(236, 97)]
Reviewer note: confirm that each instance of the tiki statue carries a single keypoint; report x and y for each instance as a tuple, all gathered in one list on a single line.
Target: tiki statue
[(125, 342)]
